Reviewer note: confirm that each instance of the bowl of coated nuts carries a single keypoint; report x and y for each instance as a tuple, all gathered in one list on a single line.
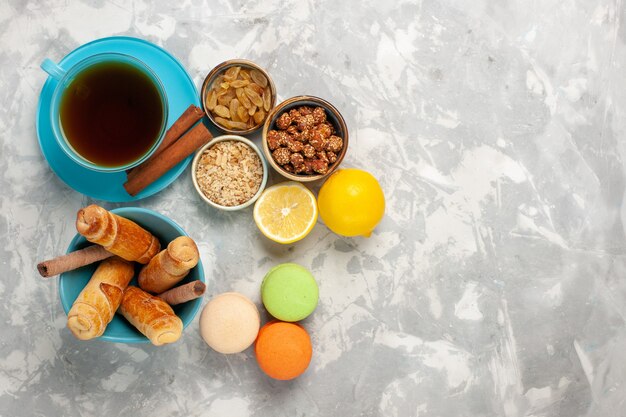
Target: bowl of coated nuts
[(305, 138), (237, 96)]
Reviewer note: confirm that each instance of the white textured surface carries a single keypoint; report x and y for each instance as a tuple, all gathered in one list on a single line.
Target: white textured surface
[(493, 287)]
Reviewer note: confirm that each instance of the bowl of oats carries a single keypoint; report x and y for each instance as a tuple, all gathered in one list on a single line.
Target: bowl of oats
[(229, 173), (305, 138), (237, 95)]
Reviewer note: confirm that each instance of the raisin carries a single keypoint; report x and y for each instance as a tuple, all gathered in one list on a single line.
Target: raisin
[(258, 78), (232, 73), (237, 125), (267, 99), (239, 83), (242, 113), (243, 98), (253, 96), (233, 107), (211, 101), (259, 90), (222, 111), (259, 116)]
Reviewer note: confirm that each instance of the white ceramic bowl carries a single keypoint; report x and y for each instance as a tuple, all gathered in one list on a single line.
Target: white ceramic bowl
[(224, 138)]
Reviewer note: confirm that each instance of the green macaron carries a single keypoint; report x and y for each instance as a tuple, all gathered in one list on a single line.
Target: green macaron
[(289, 292)]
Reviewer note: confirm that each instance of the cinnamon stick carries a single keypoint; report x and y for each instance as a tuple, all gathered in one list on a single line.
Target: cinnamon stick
[(189, 117), (72, 260), (163, 162), (183, 293)]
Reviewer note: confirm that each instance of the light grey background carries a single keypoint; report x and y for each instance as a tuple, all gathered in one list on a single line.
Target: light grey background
[(495, 285)]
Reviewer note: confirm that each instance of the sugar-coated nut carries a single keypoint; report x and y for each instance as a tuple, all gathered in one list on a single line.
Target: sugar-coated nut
[(294, 113), (308, 151), (305, 122), (299, 169), (332, 157), (296, 160), (298, 136), (325, 130), (321, 155), (318, 143), (273, 140), (283, 138), (281, 156), (305, 110), (306, 135), (294, 145), (308, 166), (334, 144), (283, 121), (319, 115), (317, 136), (288, 168), (295, 133), (319, 166)]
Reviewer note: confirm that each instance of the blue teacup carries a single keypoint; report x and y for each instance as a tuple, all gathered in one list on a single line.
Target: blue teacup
[(65, 78)]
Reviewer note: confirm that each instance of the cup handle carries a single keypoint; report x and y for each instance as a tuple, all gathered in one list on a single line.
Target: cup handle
[(54, 70)]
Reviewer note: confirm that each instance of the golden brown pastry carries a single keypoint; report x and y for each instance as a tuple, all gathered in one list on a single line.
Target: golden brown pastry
[(153, 317), (97, 302), (169, 266), (116, 234)]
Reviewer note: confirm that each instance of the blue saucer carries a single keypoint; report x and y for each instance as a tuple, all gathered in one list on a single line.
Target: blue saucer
[(180, 90)]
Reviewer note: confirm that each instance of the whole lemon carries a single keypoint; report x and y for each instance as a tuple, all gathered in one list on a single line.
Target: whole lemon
[(351, 202)]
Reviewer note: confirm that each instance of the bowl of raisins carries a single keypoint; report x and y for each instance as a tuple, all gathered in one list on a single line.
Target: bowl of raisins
[(305, 138), (237, 96)]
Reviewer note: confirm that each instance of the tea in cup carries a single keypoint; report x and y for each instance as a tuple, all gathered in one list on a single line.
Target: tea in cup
[(108, 111)]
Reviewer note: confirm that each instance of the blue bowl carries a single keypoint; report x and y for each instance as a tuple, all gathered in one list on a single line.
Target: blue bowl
[(119, 330)]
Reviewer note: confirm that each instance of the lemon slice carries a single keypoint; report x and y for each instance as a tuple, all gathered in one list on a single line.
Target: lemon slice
[(286, 212)]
